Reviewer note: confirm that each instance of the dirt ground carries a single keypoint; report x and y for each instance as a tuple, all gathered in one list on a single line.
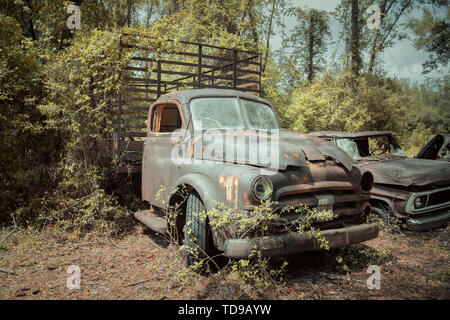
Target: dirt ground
[(145, 266)]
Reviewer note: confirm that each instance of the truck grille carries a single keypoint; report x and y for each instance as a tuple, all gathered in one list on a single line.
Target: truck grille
[(342, 202)]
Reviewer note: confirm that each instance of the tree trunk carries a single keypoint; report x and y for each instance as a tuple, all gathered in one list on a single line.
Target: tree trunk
[(269, 31), (374, 51), (375, 44), (355, 35), (27, 21), (311, 41)]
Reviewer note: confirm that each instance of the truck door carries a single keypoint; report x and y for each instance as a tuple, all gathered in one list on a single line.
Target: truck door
[(159, 171)]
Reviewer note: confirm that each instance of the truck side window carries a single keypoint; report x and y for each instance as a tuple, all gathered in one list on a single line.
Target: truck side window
[(166, 119)]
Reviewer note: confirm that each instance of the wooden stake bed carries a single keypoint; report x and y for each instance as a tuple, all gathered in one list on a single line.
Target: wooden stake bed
[(147, 77)]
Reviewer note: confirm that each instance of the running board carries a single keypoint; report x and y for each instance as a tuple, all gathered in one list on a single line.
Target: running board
[(152, 221)]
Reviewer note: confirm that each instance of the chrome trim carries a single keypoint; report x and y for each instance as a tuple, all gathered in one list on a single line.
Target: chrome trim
[(411, 209), (429, 222)]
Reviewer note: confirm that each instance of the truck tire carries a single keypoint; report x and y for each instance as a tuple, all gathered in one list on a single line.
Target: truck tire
[(197, 234)]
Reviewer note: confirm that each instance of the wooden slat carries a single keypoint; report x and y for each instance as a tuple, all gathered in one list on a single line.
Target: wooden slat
[(217, 58), (143, 59), (131, 156), (130, 99), (246, 60), (133, 134), (195, 65), (130, 145), (130, 169), (244, 81), (134, 116), (183, 53), (216, 77), (130, 89), (179, 73), (171, 82), (134, 108), (248, 76), (130, 68), (227, 87), (126, 45), (257, 73), (178, 63), (127, 126), (136, 79), (248, 84)]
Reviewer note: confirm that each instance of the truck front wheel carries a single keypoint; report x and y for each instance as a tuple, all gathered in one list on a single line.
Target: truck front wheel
[(197, 234)]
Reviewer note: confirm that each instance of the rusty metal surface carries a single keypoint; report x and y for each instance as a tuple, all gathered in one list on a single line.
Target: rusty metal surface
[(311, 171), (294, 243), (400, 180), (409, 172), (152, 221), (295, 149), (434, 149)]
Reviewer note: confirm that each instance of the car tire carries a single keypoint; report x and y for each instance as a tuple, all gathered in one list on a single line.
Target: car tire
[(197, 234)]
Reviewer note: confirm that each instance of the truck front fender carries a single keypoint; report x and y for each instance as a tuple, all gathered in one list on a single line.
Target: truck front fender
[(208, 191)]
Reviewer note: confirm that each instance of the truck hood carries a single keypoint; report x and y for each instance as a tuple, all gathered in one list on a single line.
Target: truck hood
[(275, 150), (409, 172)]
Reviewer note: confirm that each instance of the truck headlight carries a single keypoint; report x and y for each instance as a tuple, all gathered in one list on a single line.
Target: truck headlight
[(262, 188)]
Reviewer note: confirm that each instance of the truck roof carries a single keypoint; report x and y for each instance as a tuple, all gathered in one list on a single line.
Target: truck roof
[(184, 96)]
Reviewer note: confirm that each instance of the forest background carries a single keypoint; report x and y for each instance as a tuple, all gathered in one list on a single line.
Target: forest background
[(56, 85)]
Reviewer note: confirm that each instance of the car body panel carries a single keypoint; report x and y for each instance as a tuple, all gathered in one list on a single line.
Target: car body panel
[(437, 148), (400, 180)]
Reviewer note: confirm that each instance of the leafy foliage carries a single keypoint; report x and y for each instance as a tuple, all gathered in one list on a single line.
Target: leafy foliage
[(307, 44), (58, 88), (433, 36), (26, 147)]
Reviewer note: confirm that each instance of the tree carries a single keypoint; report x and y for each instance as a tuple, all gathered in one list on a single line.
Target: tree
[(432, 34), (26, 147), (390, 13), (306, 45), (354, 40), (350, 15), (364, 45)]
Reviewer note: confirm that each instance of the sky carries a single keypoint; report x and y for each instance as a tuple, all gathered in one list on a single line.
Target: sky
[(400, 61)]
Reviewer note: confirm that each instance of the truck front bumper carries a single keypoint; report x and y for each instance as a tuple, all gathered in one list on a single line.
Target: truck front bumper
[(294, 243), (439, 218)]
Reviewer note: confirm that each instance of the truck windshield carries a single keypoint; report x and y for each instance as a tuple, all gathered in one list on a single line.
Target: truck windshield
[(225, 113)]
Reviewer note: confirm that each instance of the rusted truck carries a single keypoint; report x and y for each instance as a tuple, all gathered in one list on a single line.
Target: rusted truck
[(173, 149), (437, 148), (414, 190), (303, 170)]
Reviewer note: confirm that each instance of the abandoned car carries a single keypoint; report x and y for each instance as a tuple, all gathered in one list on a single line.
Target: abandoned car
[(301, 170), (414, 190), (437, 148)]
